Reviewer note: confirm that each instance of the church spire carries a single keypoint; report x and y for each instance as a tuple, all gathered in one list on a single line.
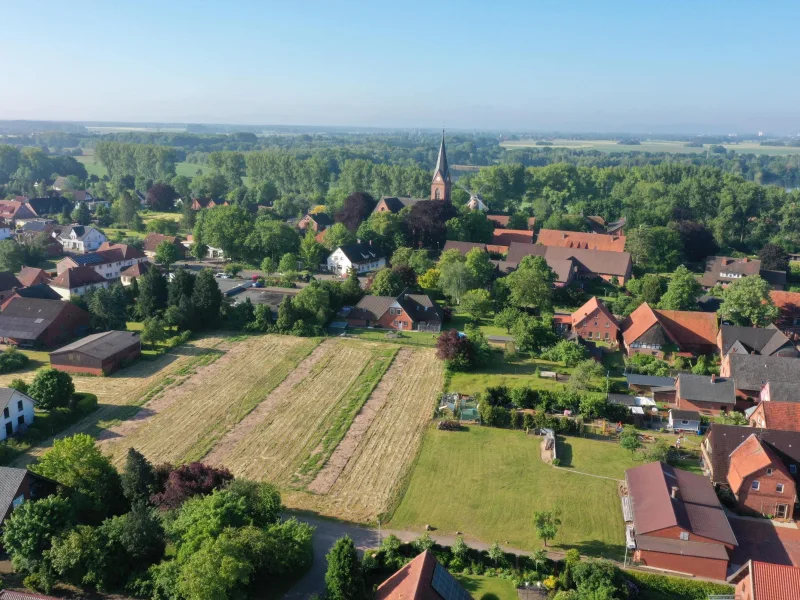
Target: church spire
[(441, 184)]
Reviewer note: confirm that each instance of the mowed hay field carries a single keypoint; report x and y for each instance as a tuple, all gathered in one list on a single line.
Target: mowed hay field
[(488, 482), (185, 422)]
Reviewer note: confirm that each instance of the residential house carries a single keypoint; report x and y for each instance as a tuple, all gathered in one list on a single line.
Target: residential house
[(76, 281), (405, 312), (39, 226), (98, 354), (684, 420), (135, 271), (34, 322), (30, 276), (579, 239), (589, 264), (501, 221), (153, 240), (788, 304), (752, 372), (17, 412), (317, 222), (760, 481), (777, 391), (51, 246), (8, 284), (41, 291), (211, 252), (706, 394), (200, 203), (505, 237), (11, 211), (757, 580), (593, 321), (423, 578), (80, 238), (660, 332), (722, 270), (361, 257), (19, 485), (678, 522), (109, 261), (598, 224), (776, 415), (465, 247), (767, 341), (661, 388), (394, 204)]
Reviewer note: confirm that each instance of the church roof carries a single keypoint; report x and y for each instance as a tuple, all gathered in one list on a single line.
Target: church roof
[(441, 163)]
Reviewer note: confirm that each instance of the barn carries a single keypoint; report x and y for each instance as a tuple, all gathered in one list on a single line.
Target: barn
[(98, 354)]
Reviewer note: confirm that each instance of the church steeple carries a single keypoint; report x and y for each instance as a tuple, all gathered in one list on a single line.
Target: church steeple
[(441, 184)]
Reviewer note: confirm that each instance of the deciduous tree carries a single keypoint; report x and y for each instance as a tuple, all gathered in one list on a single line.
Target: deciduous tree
[(344, 579), (547, 523), (683, 290), (52, 389), (746, 301)]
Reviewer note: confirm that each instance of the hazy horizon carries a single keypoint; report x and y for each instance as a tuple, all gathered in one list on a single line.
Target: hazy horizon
[(615, 67)]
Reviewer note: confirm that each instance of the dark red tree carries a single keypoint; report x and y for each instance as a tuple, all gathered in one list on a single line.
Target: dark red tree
[(698, 241), (408, 276), (357, 207), (425, 223), (190, 480), (161, 197), (456, 349)]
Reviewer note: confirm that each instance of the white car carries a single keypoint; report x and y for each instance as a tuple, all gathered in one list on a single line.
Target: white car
[(222, 276)]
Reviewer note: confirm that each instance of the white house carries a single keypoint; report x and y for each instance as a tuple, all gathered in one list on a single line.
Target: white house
[(81, 238), (17, 412), (684, 420), (76, 281), (110, 261), (361, 257)]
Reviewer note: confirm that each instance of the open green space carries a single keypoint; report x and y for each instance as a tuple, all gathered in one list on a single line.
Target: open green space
[(512, 373), (479, 586), (95, 168), (412, 338), (652, 146), (599, 457), (488, 482)]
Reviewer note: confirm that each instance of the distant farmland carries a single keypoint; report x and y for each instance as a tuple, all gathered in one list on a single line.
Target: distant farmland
[(651, 146), (95, 168)]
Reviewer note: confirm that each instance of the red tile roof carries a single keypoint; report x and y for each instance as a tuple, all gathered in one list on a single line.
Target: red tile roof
[(152, 241), (579, 239), (750, 457), (29, 276), (412, 582), (775, 582), (502, 220), (75, 277), (683, 327), (787, 302), (784, 416), (504, 237), (114, 252), (592, 305)]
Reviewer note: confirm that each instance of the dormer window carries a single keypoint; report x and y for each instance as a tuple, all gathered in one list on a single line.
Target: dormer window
[(769, 471)]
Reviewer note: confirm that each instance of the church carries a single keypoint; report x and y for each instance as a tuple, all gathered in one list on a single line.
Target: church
[(441, 187)]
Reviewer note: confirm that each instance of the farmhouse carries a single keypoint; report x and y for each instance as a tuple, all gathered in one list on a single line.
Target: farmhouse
[(317, 222), (34, 322), (406, 312), (768, 341), (17, 412), (658, 332), (751, 373), (76, 281), (593, 321), (11, 210), (589, 264), (80, 238), (30, 276), (423, 578), (19, 485), (758, 580), (152, 241), (361, 257), (788, 304), (708, 395), (722, 270), (135, 271), (98, 354), (684, 420), (8, 284), (678, 521), (576, 239), (504, 237), (776, 415), (42, 291)]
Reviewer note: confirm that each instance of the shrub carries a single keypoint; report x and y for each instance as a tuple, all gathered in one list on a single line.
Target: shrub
[(85, 403), (675, 587), (449, 425), (12, 360)]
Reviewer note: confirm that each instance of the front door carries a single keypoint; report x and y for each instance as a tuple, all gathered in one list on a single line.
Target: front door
[(781, 511), (9, 429)]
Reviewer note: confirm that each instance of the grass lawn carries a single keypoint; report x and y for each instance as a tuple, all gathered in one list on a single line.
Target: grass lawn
[(48, 264), (151, 214), (516, 373), (479, 587), (487, 483), (38, 359), (95, 168), (413, 338), (487, 326), (112, 231), (599, 457)]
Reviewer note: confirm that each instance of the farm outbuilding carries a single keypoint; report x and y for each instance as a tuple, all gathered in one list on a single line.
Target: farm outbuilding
[(98, 354)]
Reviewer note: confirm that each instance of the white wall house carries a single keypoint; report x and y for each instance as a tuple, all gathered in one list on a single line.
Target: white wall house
[(361, 257), (17, 412), (684, 420), (80, 239)]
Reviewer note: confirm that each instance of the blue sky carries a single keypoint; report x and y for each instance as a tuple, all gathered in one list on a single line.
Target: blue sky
[(689, 66)]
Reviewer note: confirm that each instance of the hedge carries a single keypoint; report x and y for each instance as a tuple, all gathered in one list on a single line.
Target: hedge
[(675, 587)]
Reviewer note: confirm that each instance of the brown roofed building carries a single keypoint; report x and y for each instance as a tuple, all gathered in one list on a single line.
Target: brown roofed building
[(723, 270), (317, 222), (788, 304), (505, 237), (34, 322), (30, 276), (502, 221), (200, 203), (98, 354), (8, 284), (650, 331), (406, 312), (678, 521), (757, 580), (11, 210), (776, 415), (135, 271), (589, 264), (593, 321), (579, 239), (422, 579), (394, 204), (77, 281), (152, 241)]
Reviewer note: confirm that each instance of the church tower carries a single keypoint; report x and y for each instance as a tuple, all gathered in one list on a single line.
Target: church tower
[(441, 184)]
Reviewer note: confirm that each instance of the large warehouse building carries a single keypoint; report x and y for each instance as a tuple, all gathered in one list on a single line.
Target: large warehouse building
[(98, 354)]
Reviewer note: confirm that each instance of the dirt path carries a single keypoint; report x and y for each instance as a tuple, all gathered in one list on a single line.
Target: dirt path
[(349, 444), (246, 426)]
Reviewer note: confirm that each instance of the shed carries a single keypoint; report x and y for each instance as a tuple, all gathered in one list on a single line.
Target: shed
[(684, 420), (98, 354)]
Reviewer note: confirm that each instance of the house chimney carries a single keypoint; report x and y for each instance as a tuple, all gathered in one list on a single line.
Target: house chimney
[(676, 492)]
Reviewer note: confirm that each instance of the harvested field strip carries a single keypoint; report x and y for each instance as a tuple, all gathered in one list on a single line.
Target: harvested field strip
[(297, 424), (196, 414), (374, 476)]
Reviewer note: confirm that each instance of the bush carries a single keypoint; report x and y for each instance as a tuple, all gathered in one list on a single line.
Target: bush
[(675, 587), (449, 425), (12, 360), (85, 403)]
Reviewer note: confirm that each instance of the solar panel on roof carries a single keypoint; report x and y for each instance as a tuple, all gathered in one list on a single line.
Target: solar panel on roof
[(446, 585)]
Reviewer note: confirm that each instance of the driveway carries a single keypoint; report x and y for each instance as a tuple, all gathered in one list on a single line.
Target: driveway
[(759, 539)]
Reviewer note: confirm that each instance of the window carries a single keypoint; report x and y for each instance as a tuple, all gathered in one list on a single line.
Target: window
[(769, 471), (19, 405), (6, 414), (684, 535), (792, 469), (18, 500), (755, 486), (779, 488), (606, 335), (590, 334), (608, 324), (21, 420)]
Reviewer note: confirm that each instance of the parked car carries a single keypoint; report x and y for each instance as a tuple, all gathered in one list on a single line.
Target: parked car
[(222, 276)]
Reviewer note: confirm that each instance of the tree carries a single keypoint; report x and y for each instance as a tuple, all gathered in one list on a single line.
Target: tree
[(429, 280), (583, 375), (455, 279), (629, 439), (423, 542), (471, 226), (343, 579), (496, 553), (152, 299), (311, 251), (746, 301), (651, 289), (773, 258), (547, 523), (658, 451), (190, 480), (11, 256), (506, 318), (569, 353), (29, 529), (51, 389), (161, 197), (153, 331), (479, 262), (477, 303), (287, 264), (656, 249), (455, 349), (124, 210), (231, 229), (532, 334), (387, 282), (683, 290), (180, 287), (81, 214), (90, 478), (206, 298), (166, 254), (531, 285), (268, 265), (337, 235), (139, 478), (459, 548), (357, 207), (108, 307), (697, 240)]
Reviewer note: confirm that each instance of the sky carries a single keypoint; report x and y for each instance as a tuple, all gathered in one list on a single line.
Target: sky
[(604, 65)]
